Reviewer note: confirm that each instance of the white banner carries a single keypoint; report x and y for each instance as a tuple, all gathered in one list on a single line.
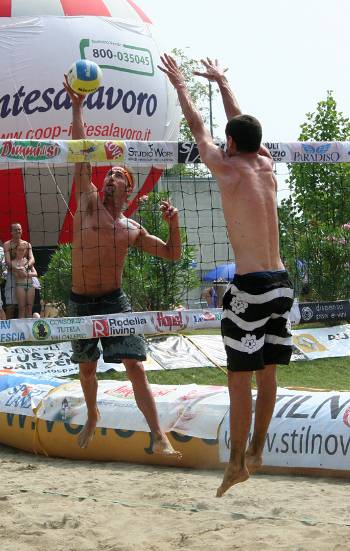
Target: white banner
[(323, 342), (188, 409), (310, 152), (164, 352), (130, 323), (52, 360), (308, 429), (148, 153)]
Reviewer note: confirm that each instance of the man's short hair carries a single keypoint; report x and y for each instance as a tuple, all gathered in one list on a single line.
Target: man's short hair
[(246, 132), (15, 224)]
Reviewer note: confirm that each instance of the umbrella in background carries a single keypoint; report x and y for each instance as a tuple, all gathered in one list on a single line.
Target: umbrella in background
[(224, 272)]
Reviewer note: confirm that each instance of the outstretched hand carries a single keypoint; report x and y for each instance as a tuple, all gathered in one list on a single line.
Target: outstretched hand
[(168, 210), (76, 99), (171, 69), (213, 70)]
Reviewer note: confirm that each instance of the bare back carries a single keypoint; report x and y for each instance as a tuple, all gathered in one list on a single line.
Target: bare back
[(248, 192), (99, 248)]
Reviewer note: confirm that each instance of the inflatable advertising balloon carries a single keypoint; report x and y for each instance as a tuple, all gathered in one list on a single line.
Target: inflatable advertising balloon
[(134, 101)]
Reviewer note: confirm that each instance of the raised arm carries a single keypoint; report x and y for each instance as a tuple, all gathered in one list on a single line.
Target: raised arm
[(215, 73), (171, 250), (210, 154), (82, 172)]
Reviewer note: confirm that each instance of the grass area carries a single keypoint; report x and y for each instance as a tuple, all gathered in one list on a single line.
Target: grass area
[(329, 374)]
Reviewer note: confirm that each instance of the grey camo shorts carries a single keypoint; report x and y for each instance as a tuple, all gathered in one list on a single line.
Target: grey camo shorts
[(115, 349)]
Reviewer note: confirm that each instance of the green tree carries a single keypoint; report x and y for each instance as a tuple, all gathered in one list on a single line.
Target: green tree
[(315, 236), (151, 282), (57, 281)]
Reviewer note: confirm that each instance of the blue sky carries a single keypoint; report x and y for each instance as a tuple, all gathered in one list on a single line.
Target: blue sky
[(283, 55)]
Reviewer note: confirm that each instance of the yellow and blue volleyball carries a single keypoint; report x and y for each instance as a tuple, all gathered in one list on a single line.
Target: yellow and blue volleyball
[(84, 76)]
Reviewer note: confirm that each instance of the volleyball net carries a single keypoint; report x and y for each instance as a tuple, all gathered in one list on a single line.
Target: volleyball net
[(38, 192)]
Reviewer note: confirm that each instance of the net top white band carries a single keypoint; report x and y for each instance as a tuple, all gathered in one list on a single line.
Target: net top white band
[(146, 153)]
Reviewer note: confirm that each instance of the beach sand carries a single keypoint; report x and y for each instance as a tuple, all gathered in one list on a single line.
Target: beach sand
[(51, 504)]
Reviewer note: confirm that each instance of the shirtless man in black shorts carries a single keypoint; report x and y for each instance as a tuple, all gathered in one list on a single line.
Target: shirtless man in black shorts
[(255, 324), (101, 238)]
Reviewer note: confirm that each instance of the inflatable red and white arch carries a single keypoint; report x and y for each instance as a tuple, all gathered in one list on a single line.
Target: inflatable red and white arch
[(124, 9), (135, 100)]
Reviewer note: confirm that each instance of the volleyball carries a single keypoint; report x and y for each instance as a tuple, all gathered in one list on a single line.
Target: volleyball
[(84, 76)]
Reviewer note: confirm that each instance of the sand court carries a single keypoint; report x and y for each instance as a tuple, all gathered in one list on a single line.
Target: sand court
[(69, 505)]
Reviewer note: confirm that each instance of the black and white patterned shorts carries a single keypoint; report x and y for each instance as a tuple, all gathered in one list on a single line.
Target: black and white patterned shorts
[(255, 325)]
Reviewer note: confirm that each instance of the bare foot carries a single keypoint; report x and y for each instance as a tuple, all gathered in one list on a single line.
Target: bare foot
[(232, 476), (86, 435), (162, 446), (253, 462)]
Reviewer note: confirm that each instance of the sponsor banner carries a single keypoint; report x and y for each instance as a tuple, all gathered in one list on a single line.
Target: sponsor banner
[(324, 311), (163, 352), (129, 323), (183, 408), (95, 151), (33, 151), (180, 408), (20, 394), (323, 342), (188, 152), (295, 152), (51, 360), (308, 429), (152, 153), (309, 152)]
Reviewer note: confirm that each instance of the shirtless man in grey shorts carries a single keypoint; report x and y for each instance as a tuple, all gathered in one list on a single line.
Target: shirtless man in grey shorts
[(101, 238), (255, 325)]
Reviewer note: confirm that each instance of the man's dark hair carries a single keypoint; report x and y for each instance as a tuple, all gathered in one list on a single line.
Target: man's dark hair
[(246, 132)]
